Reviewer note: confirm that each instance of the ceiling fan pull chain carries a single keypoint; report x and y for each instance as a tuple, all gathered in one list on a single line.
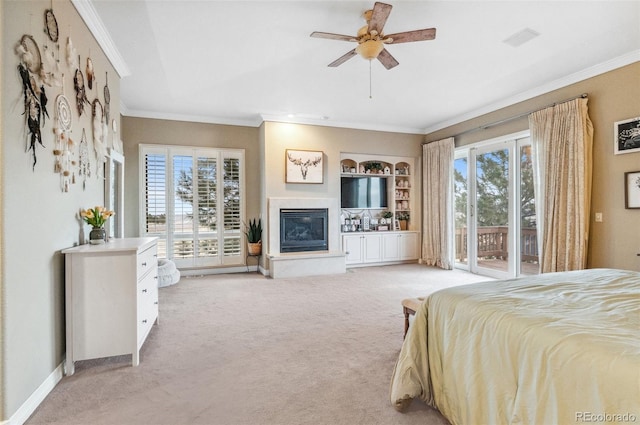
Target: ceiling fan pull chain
[(370, 96)]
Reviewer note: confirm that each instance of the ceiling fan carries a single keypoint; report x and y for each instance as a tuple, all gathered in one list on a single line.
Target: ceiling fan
[(371, 40)]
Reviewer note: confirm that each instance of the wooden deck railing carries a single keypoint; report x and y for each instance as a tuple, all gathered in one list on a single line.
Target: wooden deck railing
[(493, 242)]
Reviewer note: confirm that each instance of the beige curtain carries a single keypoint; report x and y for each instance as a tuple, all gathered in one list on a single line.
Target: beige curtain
[(562, 140), (437, 166)]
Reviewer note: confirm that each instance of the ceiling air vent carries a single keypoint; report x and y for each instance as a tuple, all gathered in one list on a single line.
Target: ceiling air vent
[(521, 37)]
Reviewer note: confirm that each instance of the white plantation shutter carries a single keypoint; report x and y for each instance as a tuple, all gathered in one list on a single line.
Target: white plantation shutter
[(181, 218), (154, 217), (194, 205), (207, 206), (232, 211)]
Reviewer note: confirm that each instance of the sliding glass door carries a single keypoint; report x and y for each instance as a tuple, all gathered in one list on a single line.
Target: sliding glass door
[(494, 213), (491, 208)]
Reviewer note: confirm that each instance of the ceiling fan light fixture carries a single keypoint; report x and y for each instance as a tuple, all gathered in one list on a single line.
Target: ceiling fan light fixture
[(371, 38), (370, 49)]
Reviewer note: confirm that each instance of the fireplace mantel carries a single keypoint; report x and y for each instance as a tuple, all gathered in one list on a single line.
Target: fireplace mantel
[(331, 261)]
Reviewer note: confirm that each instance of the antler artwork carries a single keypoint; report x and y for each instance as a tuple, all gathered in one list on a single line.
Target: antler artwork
[(304, 166)]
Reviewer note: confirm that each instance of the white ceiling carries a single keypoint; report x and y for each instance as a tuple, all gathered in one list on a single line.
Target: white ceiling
[(242, 62)]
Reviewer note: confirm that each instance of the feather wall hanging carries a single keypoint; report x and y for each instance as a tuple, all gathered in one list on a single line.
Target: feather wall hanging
[(50, 73), (90, 74), (98, 135), (107, 98), (72, 55), (81, 94), (84, 164), (34, 97)]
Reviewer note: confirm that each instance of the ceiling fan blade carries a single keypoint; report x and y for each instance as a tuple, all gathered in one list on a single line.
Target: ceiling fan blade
[(379, 16), (387, 60), (342, 59), (332, 36), (409, 36)]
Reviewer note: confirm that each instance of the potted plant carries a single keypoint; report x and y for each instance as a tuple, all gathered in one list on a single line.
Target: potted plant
[(254, 236), (374, 167), (96, 218), (403, 218)]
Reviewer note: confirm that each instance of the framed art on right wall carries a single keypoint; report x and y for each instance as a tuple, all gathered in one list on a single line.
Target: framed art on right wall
[(626, 136), (632, 189)]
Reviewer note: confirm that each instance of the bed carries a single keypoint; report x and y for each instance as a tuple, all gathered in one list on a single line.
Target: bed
[(554, 348)]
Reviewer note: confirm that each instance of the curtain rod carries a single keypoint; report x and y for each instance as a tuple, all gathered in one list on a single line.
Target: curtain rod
[(515, 117)]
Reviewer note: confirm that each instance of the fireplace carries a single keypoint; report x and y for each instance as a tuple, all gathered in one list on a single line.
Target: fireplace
[(303, 229)]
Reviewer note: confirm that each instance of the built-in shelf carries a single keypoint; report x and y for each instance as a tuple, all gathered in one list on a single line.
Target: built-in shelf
[(400, 196)]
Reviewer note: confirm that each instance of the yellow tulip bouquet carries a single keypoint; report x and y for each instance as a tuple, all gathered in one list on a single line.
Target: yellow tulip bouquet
[(96, 216)]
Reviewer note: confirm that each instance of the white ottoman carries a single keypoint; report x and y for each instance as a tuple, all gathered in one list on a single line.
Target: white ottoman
[(168, 274)]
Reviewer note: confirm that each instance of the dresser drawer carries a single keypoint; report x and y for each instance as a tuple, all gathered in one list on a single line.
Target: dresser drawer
[(147, 305), (147, 260)]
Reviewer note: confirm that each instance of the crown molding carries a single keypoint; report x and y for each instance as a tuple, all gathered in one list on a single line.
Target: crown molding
[(257, 122), (352, 125), (188, 118), (90, 17), (576, 77)]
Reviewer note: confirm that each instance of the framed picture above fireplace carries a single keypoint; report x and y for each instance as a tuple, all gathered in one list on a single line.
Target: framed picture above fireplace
[(304, 166)]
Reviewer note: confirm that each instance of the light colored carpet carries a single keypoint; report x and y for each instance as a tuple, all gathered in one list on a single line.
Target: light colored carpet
[(244, 349)]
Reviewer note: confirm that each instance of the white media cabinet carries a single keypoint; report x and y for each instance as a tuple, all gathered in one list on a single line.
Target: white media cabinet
[(369, 248), (395, 245)]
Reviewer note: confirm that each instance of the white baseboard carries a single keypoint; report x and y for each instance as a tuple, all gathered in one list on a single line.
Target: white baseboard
[(32, 403)]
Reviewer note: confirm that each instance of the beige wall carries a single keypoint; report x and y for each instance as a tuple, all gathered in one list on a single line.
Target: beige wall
[(265, 153), (613, 96), (332, 141), (38, 220)]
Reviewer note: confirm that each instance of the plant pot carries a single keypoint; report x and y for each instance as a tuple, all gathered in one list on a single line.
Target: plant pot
[(254, 248), (97, 236), (403, 224)]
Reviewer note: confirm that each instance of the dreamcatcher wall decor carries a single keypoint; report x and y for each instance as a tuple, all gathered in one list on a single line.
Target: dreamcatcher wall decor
[(84, 164), (50, 71), (34, 97), (98, 134), (65, 162), (81, 94)]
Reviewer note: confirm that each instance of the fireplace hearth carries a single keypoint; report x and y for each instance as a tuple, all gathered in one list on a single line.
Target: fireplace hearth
[(303, 230)]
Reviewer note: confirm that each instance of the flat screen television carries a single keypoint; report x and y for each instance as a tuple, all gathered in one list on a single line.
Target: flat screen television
[(364, 192)]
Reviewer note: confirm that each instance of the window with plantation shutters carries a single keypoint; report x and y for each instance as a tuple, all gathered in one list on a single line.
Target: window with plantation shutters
[(193, 202)]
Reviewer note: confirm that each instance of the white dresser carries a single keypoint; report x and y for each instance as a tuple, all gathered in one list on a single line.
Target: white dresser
[(111, 298)]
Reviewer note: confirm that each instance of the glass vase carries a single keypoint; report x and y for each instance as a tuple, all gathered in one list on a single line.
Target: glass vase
[(97, 235)]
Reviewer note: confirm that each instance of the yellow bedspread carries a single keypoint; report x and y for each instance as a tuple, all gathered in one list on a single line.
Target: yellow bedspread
[(558, 348)]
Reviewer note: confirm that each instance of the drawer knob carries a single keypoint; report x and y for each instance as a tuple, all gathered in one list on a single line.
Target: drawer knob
[(156, 303), (144, 291), (144, 264), (144, 321)]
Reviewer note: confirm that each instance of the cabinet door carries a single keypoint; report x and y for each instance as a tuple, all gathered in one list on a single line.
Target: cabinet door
[(409, 249), (352, 246), (372, 248), (391, 247)]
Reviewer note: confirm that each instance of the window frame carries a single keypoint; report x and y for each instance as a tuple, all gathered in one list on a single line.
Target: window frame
[(221, 258)]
